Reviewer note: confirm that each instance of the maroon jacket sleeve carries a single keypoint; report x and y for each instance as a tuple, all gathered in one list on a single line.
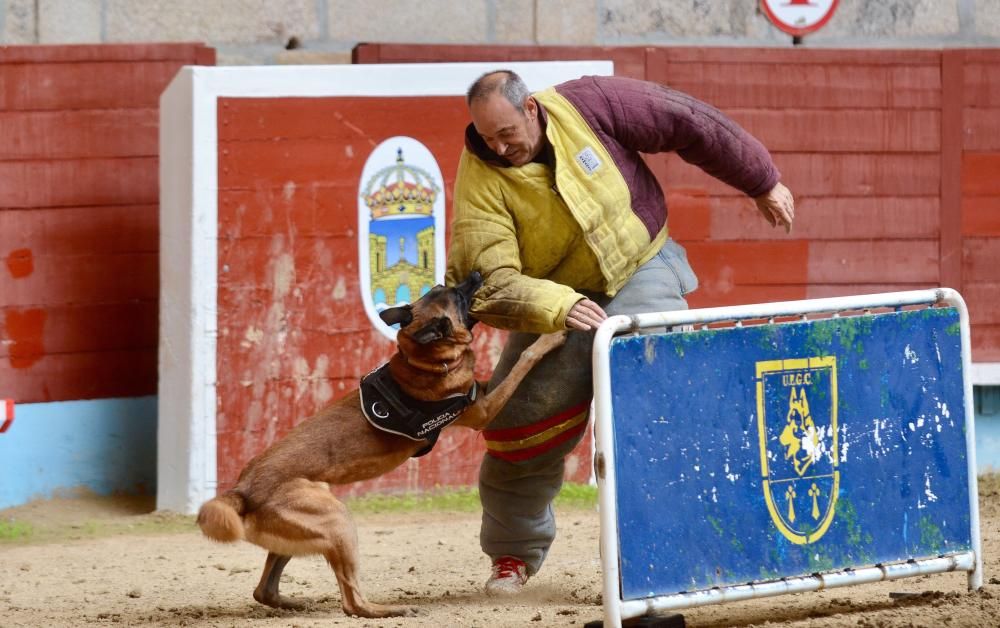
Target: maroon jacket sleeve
[(651, 118)]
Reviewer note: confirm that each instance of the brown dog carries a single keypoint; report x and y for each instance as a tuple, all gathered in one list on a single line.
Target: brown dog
[(282, 501)]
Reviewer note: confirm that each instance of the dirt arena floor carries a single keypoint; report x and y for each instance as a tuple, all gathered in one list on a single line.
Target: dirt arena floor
[(95, 562)]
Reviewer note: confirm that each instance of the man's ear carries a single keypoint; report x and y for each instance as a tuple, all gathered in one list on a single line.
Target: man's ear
[(402, 314), (437, 329), (531, 108)]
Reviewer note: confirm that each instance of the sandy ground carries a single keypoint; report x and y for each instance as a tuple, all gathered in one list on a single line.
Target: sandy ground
[(97, 562)]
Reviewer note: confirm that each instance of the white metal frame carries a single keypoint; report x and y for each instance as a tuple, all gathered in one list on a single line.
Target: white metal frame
[(616, 609)]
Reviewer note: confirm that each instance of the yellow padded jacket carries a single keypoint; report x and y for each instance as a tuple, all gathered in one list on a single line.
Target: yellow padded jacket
[(540, 236)]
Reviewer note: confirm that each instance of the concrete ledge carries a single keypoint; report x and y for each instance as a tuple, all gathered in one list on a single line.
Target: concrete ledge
[(106, 446), (985, 374)]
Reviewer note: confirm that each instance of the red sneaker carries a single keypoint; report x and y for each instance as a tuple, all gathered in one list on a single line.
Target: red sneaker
[(509, 576)]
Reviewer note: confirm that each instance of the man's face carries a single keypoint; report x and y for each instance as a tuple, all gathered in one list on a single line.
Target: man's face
[(508, 132)]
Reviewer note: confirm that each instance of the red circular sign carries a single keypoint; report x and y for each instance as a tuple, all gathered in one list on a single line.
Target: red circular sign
[(799, 17)]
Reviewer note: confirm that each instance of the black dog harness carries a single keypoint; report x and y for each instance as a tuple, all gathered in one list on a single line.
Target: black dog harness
[(388, 408)]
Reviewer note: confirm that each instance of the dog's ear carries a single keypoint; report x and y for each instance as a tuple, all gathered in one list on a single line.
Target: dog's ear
[(437, 329), (402, 314)]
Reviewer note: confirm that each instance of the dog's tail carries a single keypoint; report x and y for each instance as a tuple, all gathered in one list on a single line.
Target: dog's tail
[(220, 519)]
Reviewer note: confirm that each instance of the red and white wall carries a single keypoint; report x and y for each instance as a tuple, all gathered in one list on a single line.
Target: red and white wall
[(893, 157), (262, 316), (79, 250)]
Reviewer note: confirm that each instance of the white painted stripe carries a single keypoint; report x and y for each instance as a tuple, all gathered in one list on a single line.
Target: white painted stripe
[(986, 373), (404, 79)]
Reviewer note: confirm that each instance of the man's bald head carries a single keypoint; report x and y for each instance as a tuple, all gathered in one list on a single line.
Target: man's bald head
[(505, 115), (504, 82)]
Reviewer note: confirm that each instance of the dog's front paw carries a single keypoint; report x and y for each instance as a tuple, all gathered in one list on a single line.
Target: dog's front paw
[(548, 342)]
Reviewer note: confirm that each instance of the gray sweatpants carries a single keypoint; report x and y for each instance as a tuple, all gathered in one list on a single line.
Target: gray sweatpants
[(517, 496)]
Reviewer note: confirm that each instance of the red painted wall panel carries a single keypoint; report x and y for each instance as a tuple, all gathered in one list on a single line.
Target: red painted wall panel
[(114, 84), (830, 218), (981, 174), (789, 58), (90, 375), (247, 213), (78, 212), (827, 174), (822, 290), (982, 79), (797, 81), (857, 135), (188, 52), (981, 128), (981, 216), (78, 134), (93, 278), (838, 130), (980, 204), (77, 182), (986, 343), (873, 261), (981, 259), (293, 334), (747, 272), (984, 292), (94, 327), (72, 231), (691, 211)]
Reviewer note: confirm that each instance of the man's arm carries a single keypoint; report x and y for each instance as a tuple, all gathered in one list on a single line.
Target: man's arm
[(777, 206), (484, 238), (650, 118)]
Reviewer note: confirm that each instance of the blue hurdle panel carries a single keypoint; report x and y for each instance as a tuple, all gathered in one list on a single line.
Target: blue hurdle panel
[(748, 454)]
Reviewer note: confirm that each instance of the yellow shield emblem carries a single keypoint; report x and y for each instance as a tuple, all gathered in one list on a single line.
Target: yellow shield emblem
[(797, 428)]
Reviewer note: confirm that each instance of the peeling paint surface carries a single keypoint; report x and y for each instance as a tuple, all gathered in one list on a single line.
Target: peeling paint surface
[(25, 331), (292, 331), (801, 470), (20, 263)]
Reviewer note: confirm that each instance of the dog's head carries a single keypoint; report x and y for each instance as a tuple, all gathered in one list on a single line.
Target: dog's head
[(438, 314)]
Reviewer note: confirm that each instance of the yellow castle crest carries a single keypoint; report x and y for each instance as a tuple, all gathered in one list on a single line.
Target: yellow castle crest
[(400, 190), (386, 281)]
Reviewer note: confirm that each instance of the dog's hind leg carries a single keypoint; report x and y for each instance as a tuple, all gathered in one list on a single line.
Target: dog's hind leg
[(267, 590), (307, 519), (343, 558)]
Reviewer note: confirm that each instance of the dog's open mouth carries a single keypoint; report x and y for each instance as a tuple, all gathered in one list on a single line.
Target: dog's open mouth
[(466, 290)]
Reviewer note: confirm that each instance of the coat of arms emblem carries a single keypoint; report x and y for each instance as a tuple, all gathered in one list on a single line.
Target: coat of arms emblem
[(401, 214), (797, 428)]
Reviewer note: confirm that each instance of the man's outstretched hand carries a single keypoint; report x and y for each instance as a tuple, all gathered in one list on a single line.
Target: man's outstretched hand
[(777, 206), (585, 315)]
